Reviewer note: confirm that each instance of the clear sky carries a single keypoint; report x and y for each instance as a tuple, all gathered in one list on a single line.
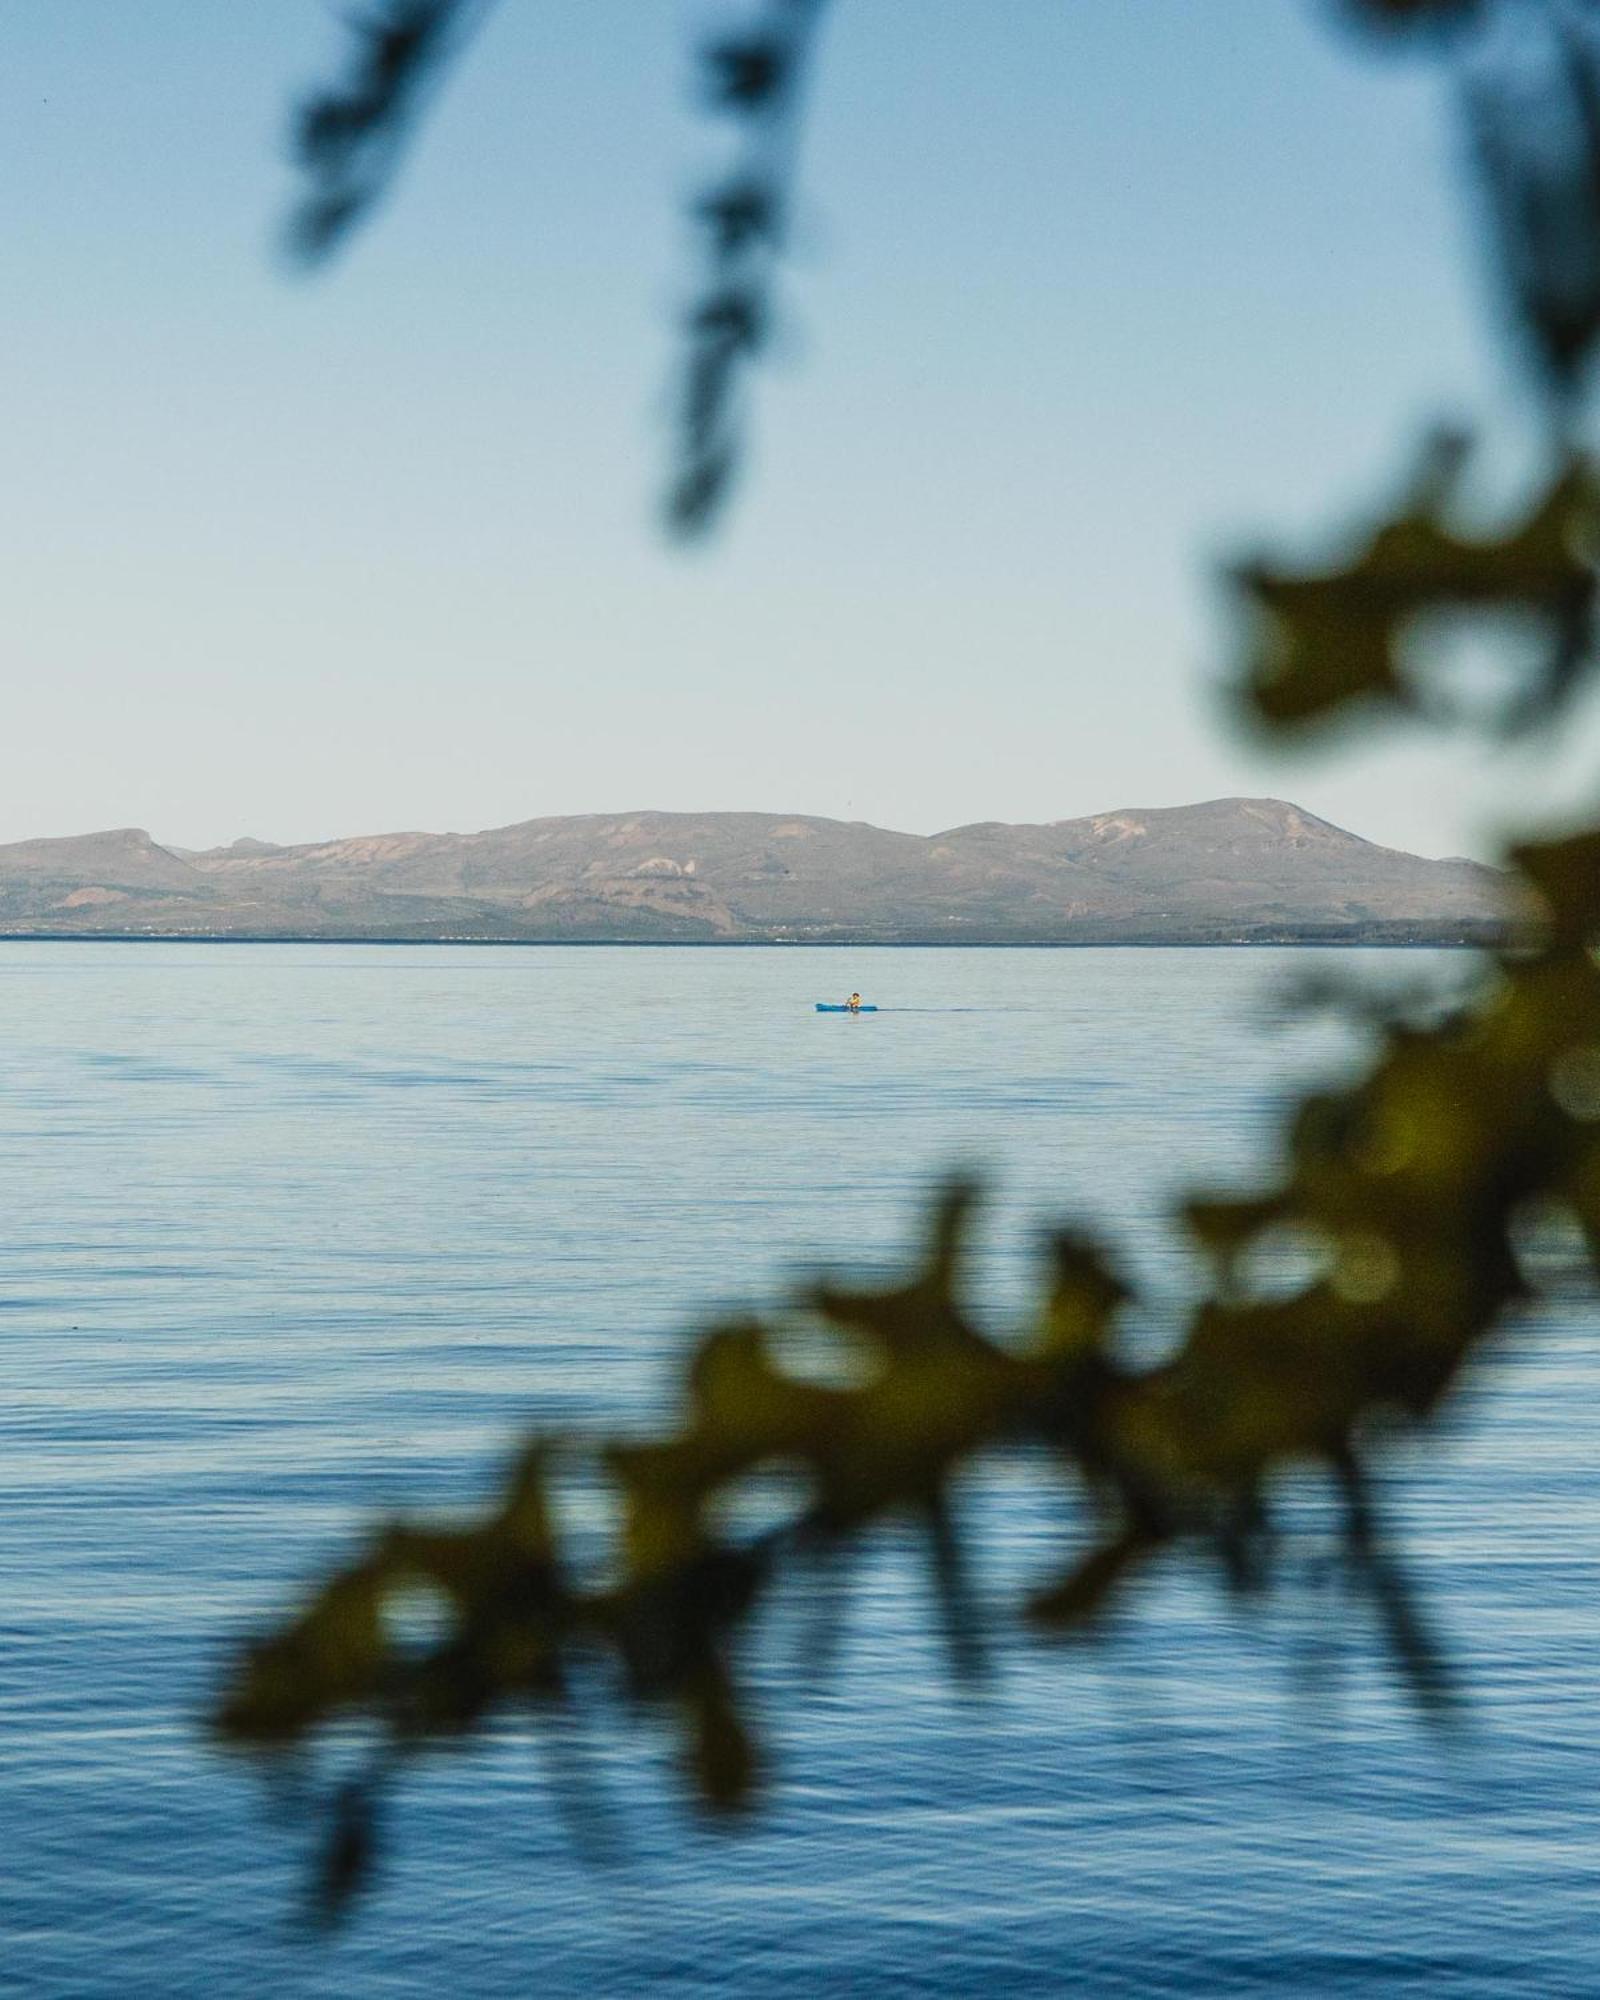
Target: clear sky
[(1086, 295)]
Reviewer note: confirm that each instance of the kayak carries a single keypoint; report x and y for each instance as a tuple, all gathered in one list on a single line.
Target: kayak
[(838, 1007)]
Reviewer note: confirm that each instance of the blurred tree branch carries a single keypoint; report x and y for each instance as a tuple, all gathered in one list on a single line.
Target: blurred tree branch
[(1409, 1190)]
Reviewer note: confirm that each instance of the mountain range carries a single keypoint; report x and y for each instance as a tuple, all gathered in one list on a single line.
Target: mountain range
[(1229, 871)]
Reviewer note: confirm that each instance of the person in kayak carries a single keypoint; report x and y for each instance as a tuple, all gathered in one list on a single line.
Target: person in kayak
[(855, 1003)]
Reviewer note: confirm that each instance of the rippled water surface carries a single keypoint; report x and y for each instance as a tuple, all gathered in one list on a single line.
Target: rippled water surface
[(297, 1234)]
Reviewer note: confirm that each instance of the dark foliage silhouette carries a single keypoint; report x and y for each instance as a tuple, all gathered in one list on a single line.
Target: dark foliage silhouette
[(756, 77), (1528, 80), (349, 138)]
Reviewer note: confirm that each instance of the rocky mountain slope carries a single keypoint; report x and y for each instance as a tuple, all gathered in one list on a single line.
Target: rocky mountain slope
[(1232, 870)]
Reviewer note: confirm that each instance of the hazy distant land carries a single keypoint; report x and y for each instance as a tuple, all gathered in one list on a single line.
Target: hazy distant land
[(1247, 871)]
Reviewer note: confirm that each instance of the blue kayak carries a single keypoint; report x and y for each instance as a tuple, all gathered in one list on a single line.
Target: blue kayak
[(838, 1007)]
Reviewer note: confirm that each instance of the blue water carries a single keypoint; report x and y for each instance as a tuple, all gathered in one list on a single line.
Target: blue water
[(293, 1235)]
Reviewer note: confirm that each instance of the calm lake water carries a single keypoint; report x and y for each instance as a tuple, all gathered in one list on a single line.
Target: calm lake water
[(294, 1235)]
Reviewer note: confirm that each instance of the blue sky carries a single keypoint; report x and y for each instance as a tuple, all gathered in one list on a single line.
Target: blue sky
[(1086, 295)]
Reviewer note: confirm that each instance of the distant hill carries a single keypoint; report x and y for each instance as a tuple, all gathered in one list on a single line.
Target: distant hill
[(1230, 871)]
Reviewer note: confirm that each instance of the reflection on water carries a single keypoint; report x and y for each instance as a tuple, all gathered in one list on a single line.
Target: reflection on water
[(297, 1233)]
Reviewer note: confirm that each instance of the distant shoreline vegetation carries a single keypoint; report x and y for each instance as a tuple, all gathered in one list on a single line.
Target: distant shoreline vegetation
[(1456, 938)]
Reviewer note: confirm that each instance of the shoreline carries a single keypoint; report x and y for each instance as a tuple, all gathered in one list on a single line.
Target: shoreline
[(1294, 942)]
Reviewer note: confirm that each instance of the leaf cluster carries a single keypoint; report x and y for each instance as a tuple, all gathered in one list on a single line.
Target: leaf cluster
[(349, 136), (755, 77), (1346, 641)]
